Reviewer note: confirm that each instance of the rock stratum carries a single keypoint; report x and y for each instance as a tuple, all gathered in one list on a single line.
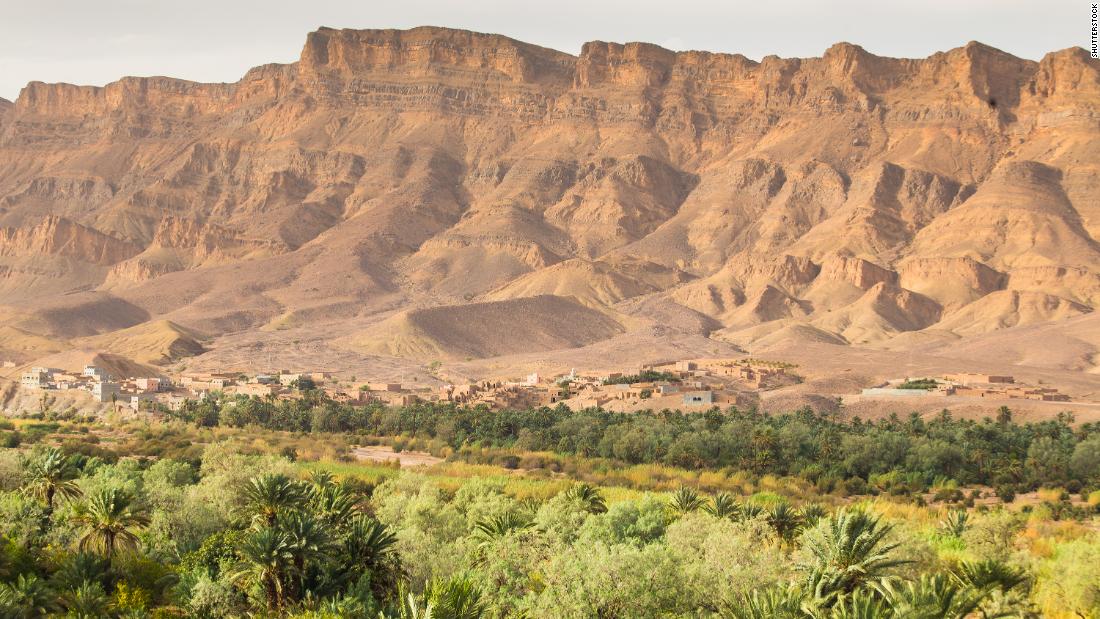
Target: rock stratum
[(437, 193)]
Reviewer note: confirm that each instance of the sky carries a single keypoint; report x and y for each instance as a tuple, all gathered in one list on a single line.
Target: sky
[(99, 41)]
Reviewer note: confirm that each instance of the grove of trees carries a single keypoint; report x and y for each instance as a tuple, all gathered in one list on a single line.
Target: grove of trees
[(829, 451), (257, 536)]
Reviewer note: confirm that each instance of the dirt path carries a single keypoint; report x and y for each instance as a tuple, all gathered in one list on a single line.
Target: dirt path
[(385, 453)]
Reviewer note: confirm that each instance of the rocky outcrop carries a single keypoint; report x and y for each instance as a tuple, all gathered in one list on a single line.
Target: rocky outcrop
[(61, 237), (953, 282), (856, 271)]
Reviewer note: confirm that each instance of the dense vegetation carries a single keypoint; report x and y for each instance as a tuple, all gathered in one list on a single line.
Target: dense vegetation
[(645, 376), (919, 383), (237, 535), (890, 455)]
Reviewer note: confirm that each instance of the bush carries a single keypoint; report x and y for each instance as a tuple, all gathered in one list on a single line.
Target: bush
[(855, 486)]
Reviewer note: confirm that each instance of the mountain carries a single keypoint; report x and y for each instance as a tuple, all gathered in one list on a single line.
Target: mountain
[(435, 192)]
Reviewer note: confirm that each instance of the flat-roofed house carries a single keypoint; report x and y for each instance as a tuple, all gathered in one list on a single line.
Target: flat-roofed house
[(698, 398), (103, 390), (34, 380)]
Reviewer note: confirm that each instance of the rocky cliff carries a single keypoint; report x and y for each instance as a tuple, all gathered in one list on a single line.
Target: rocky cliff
[(390, 170)]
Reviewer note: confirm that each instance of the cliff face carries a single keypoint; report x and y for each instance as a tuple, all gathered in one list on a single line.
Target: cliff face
[(425, 167)]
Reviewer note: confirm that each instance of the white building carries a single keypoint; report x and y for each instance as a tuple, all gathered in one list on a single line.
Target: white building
[(34, 380), (103, 390), (94, 372), (148, 384), (699, 398)]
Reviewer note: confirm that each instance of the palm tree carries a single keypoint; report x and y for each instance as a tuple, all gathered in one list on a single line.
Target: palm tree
[(589, 496), (989, 574), (860, 604), (50, 475), (846, 550), (529, 505), (812, 513), (499, 526), (786, 521), (955, 523), (87, 601), (267, 496), (413, 607), (369, 542), (749, 511), (334, 504), (336, 607), (723, 505), (109, 517), (457, 598), (686, 500), (771, 603), (307, 542), (369, 547), (26, 598), (322, 479), (931, 597), (999, 586), (79, 568), (266, 559)]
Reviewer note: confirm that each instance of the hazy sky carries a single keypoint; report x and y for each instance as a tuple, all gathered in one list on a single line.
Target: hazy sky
[(98, 41)]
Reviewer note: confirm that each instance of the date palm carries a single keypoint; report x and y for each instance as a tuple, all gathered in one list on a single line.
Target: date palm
[(989, 574), (86, 601), (370, 547), (334, 504), (861, 604), (109, 518), (955, 523), (266, 560), (723, 505), (322, 479), (847, 550), (80, 568), (771, 603), (1002, 587), (265, 497), (499, 526), (786, 520), (930, 597), (369, 542), (686, 500), (27, 597), (50, 475), (749, 511), (812, 513), (589, 496), (413, 607), (307, 542), (457, 598)]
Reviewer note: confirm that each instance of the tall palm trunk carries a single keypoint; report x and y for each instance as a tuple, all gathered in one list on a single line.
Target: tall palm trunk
[(47, 512), (271, 590), (109, 547)]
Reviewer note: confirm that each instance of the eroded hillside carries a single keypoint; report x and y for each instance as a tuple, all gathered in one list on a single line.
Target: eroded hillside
[(445, 174)]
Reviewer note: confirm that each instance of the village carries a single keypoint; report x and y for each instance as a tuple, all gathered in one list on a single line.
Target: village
[(697, 384), (688, 385), (966, 385)]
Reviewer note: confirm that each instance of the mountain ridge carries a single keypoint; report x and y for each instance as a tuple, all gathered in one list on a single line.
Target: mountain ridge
[(863, 197)]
